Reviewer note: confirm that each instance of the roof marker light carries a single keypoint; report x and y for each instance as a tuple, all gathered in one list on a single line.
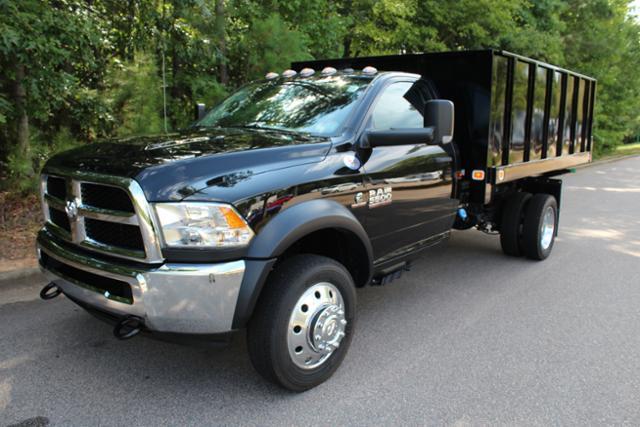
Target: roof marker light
[(328, 71), (307, 72), (271, 76), (288, 73), (348, 70), (369, 70)]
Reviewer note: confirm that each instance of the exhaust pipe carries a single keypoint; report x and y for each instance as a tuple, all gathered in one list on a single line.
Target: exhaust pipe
[(50, 291), (128, 327)]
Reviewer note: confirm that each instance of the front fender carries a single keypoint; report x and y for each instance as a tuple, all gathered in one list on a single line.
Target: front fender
[(279, 234), (300, 220)]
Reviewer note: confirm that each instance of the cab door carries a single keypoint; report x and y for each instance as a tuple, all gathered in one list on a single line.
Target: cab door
[(408, 187)]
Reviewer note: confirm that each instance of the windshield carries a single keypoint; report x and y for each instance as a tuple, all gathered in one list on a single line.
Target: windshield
[(317, 105)]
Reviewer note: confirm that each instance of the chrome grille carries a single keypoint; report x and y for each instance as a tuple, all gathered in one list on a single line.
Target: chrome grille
[(102, 213)]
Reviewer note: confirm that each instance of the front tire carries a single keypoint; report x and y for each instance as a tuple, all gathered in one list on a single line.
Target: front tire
[(302, 326)]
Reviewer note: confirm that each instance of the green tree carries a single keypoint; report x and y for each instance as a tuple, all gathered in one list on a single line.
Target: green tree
[(49, 52), (75, 71)]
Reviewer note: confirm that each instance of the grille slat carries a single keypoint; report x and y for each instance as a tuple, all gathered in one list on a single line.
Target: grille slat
[(57, 187), (106, 197), (114, 234), (116, 288), (60, 219)]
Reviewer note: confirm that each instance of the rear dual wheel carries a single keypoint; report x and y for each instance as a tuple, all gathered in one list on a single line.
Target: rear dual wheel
[(529, 225), (539, 227)]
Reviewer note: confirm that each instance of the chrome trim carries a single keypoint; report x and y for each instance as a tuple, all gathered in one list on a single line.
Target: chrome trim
[(143, 216), (54, 202), (177, 298), (548, 228), (43, 205), (317, 325), (59, 231), (108, 215)]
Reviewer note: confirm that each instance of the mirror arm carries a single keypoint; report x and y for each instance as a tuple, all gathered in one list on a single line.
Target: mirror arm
[(394, 137), (363, 141)]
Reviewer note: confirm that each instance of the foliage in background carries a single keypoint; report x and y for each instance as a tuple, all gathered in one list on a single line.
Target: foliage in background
[(134, 95), (76, 71)]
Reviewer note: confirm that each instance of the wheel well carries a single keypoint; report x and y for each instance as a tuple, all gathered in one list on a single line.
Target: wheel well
[(340, 245), (493, 213)]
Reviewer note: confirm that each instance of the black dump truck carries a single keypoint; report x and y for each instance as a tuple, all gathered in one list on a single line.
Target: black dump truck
[(274, 206)]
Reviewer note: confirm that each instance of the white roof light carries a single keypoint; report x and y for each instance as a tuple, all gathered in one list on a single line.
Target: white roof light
[(328, 71), (271, 76), (288, 73), (306, 72), (369, 70)]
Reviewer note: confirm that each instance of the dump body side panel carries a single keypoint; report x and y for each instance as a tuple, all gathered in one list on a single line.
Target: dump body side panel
[(541, 119)]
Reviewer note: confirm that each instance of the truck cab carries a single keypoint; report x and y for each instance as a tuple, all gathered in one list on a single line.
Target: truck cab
[(274, 206)]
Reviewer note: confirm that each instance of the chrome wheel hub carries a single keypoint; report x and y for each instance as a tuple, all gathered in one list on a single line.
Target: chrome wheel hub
[(317, 325), (548, 228)]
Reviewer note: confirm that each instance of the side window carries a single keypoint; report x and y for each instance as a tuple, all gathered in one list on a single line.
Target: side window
[(393, 110)]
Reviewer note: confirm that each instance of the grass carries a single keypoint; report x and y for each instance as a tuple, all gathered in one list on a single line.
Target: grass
[(620, 151), (628, 149)]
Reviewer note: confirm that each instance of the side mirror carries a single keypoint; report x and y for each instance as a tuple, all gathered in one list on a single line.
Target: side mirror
[(200, 111), (437, 130), (439, 116)]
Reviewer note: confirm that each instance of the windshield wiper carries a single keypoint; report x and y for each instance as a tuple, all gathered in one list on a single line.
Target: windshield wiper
[(269, 128)]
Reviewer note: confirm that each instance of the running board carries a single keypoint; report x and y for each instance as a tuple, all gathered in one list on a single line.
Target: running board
[(390, 274)]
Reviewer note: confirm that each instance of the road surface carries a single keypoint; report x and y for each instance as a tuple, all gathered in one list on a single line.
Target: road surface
[(468, 337)]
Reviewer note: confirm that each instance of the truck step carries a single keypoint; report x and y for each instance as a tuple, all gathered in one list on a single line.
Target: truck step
[(391, 274)]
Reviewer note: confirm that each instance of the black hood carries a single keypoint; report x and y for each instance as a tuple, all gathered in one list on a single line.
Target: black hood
[(174, 166)]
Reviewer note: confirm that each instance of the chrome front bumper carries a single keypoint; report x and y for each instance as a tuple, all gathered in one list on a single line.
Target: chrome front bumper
[(172, 298)]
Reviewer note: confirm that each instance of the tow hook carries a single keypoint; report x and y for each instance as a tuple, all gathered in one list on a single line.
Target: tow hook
[(128, 327), (50, 291)]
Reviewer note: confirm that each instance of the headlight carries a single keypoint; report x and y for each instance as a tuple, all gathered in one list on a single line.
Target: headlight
[(203, 225)]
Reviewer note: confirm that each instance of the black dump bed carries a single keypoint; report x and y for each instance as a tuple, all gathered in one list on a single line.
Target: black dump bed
[(515, 117)]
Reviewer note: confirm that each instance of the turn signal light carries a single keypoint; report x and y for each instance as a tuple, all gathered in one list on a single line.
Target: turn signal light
[(478, 175)]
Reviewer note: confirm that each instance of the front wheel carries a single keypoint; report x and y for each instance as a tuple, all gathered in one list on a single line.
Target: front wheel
[(302, 326)]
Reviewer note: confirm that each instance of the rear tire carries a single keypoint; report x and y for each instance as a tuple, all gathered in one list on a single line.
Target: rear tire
[(302, 326), (511, 224), (540, 226)]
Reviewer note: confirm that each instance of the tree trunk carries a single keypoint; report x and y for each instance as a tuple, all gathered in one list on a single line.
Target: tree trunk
[(22, 132), (223, 73), (345, 11), (347, 47)]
